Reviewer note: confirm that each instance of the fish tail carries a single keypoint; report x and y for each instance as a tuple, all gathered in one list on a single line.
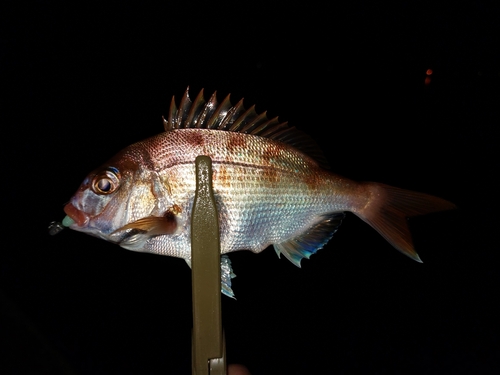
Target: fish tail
[(388, 208)]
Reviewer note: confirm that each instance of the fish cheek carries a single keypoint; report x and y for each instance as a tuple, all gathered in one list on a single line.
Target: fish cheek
[(141, 202), (93, 204)]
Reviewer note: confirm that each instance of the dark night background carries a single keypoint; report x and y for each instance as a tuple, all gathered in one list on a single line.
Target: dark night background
[(80, 82)]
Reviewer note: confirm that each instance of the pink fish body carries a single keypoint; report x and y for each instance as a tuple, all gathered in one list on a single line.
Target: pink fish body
[(271, 185)]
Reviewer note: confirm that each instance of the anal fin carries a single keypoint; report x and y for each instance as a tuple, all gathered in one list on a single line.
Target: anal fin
[(311, 241)]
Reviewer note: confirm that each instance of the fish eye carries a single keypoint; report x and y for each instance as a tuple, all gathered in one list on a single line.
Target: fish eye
[(104, 185), (106, 181)]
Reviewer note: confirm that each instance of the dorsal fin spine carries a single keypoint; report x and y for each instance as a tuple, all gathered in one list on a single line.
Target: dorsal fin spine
[(255, 122), (239, 123), (183, 108), (194, 111), (260, 129), (219, 113), (207, 111), (171, 114), (232, 113), (271, 132)]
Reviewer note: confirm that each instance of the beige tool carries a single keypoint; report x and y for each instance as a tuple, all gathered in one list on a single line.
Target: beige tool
[(208, 345)]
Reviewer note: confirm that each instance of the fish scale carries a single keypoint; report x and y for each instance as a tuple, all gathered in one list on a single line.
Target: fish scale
[(282, 205)]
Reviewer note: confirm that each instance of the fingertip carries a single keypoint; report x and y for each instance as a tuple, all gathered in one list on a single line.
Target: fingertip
[(235, 369)]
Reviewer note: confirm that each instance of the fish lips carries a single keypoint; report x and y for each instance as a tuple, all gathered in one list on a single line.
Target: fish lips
[(80, 218)]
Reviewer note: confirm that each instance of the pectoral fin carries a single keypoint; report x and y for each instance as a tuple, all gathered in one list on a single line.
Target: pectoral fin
[(134, 235), (311, 241)]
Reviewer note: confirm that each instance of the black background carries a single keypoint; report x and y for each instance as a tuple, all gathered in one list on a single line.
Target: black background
[(80, 82)]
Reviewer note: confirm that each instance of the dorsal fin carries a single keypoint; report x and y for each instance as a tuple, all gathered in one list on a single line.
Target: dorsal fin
[(226, 117)]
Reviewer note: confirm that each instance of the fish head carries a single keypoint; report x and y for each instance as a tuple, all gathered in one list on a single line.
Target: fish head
[(113, 196)]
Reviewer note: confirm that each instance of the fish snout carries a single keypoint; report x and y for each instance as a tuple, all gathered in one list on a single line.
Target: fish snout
[(79, 217)]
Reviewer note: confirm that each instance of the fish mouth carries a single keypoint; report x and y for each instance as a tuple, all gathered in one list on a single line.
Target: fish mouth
[(80, 218)]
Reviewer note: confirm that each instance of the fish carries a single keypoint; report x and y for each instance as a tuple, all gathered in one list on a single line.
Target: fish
[(272, 186)]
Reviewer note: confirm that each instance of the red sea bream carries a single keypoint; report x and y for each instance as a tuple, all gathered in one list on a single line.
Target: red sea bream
[(271, 184)]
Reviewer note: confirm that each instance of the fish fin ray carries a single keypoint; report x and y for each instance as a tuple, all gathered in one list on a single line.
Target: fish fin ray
[(169, 125), (226, 274), (389, 209), (196, 110), (219, 114), (153, 225), (134, 235), (230, 115), (226, 117), (182, 112), (311, 241)]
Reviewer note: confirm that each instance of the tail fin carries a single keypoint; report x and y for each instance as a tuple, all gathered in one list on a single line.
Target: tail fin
[(388, 209)]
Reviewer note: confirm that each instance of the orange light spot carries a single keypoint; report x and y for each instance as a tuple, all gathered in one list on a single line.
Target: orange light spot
[(428, 72), (427, 81)]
